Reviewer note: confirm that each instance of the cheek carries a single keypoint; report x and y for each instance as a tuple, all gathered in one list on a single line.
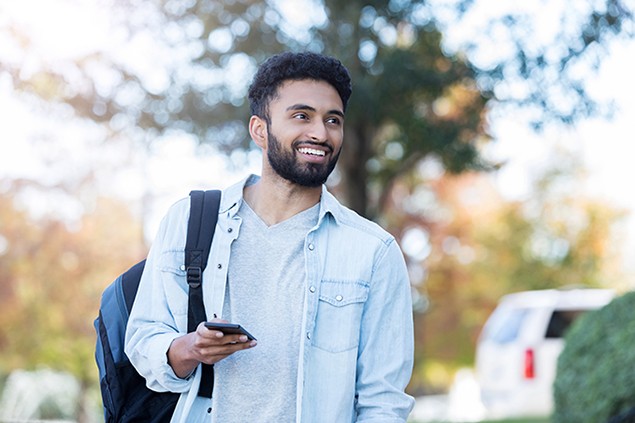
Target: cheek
[(337, 137), (285, 134)]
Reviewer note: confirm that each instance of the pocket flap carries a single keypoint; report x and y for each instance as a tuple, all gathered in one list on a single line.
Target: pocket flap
[(340, 294)]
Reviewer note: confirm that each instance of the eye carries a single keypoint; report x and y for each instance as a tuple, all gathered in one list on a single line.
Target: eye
[(334, 120), (302, 116)]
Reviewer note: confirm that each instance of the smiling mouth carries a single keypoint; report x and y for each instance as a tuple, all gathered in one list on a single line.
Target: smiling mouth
[(311, 151)]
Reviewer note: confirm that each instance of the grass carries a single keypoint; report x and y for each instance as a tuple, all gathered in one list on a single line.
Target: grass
[(526, 420), (523, 420)]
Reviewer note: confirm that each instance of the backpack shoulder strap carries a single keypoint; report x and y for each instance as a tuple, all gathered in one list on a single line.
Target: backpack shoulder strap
[(130, 283), (204, 206)]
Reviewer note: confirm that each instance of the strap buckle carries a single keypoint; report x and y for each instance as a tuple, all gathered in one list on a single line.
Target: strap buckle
[(194, 276)]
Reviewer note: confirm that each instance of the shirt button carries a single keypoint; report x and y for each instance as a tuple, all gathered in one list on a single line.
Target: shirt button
[(308, 335), (182, 267), (312, 289), (311, 247), (230, 230), (339, 298), (220, 266)]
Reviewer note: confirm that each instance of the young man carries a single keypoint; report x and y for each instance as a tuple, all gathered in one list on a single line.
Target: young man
[(324, 291)]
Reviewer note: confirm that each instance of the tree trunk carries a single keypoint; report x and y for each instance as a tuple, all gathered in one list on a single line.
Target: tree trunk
[(352, 165)]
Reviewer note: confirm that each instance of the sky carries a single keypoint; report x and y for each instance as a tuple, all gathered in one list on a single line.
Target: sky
[(35, 145)]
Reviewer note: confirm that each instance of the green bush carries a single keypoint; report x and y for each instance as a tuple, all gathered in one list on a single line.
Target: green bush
[(595, 381)]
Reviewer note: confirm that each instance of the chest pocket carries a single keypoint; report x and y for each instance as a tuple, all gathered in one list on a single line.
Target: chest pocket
[(339, 314)]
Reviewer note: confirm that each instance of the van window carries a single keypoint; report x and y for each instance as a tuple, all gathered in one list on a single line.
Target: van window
[(560, 322), (504, 325)]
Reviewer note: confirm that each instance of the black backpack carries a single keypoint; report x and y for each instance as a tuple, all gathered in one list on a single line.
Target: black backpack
[(124, 393)]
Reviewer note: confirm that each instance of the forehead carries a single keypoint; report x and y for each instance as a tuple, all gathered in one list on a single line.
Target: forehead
[(317, 94)]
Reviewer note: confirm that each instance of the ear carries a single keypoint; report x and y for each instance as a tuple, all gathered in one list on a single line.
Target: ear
[(258, 131)]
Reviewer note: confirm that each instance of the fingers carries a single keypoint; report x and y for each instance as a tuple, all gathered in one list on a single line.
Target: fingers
[(214, 353), (218, 336), (211, 346)]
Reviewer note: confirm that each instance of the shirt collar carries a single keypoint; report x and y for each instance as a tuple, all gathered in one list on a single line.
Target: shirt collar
[(329, 205), (233, 197)]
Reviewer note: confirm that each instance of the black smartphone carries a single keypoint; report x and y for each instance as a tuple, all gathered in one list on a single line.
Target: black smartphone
[(229, 329)]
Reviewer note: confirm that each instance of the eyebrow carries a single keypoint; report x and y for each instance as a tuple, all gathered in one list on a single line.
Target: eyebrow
[(312, 109)]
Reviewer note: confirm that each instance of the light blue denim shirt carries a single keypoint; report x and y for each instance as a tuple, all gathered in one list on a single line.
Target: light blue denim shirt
[(356, 354)]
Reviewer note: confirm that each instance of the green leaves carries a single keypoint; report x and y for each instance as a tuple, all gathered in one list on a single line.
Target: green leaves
[(595, 379)]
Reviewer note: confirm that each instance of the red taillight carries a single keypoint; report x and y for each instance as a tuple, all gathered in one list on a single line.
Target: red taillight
[(529, 364)]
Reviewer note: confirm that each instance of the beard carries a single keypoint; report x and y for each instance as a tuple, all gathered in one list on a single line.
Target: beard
[(287, 165)]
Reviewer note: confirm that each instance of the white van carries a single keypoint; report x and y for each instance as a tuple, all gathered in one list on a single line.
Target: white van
[(518, 349)]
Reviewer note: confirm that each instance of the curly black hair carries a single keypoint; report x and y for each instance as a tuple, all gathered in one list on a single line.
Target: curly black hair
[(296, 66)]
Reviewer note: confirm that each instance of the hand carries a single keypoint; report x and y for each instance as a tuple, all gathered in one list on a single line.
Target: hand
[(204, 346)]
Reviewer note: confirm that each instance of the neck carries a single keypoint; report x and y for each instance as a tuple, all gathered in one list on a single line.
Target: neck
[(275, 199)]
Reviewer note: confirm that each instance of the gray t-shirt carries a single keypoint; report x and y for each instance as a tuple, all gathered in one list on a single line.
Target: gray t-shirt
[(265, 294)]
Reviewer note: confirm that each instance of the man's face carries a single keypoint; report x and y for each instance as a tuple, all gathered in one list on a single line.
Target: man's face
[(305, 132)]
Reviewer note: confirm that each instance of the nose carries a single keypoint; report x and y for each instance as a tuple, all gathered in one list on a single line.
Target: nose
[(317, 132)]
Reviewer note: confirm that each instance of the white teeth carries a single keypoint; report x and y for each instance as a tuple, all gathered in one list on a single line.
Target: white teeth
[(312, 151)]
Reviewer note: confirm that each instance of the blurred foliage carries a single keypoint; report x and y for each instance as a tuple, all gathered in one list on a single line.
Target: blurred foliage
[(411, 100), (482, 247), (531, 55), (595, 377), (52, 273)]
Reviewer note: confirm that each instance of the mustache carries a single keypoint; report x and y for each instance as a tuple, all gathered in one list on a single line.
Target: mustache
[(308, 143)]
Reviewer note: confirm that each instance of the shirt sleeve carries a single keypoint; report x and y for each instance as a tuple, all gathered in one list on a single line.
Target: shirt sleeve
[(386, 350), (152, 325)]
